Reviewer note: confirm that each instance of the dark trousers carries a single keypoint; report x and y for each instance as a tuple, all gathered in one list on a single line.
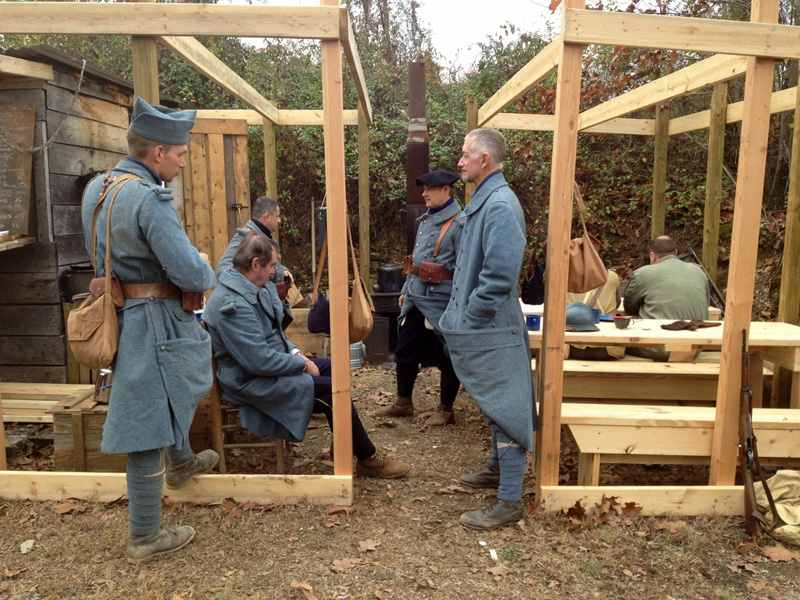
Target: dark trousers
[(418, 346), (362, 445)]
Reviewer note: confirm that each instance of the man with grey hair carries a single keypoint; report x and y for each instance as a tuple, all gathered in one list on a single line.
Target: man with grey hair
[(265, 218), (484, 328)]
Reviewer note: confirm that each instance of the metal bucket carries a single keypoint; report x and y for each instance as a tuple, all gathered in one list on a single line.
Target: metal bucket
[(356, 355)]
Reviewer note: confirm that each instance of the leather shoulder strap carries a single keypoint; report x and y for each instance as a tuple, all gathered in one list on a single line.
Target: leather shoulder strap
[(444, 229)]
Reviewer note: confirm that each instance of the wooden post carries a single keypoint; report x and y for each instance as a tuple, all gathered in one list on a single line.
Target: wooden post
[(559, 225), (660, 172), (716, 148), (744, 249), (145, 68), (270, 163), (472, 123), (3, 463), (333, 105), (363, 195), (789, 304)]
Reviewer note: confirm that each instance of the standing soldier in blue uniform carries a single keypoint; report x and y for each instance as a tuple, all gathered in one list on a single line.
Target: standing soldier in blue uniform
[(484, 328), (424, 297), (163, 366)]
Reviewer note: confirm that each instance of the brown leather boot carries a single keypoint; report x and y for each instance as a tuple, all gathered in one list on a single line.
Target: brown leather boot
[(386, 468), (443, 415), (403, 407)]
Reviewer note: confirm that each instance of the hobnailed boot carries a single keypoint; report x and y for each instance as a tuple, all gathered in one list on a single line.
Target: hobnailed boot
[(178, 474), (403, 407), (385, 468), (485, 478), (503, 512), (444, 415), (142, 548)]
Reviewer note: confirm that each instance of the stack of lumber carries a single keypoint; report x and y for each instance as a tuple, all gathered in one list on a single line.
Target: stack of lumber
[(30, 402)]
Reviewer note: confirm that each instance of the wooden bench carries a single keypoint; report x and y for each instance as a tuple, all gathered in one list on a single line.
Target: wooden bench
[(30, 402), (640, 381), (618, 433)]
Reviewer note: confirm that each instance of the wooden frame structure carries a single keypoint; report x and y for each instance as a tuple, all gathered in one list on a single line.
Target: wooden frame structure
[(328, 23), (747, 49)]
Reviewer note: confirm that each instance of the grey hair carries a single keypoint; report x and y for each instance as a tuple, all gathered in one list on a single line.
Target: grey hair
[(263, 204), (253, 245), (490, 141)]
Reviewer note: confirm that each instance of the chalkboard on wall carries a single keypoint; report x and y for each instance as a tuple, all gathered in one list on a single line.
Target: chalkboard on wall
[(16, 125)]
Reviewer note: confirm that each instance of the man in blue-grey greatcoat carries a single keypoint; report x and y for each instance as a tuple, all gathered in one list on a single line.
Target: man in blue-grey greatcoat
[(484, 328), (424, 297), (163, 366), (258, 368), (265, 218)]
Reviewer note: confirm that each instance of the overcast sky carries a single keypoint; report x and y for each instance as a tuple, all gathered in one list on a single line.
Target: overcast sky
[(456, 26)]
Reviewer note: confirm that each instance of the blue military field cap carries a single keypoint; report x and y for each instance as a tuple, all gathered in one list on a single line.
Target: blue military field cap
[(160, 124), (438, 178)]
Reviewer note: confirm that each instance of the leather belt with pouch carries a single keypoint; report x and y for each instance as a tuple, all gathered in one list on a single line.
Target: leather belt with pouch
[(190, 301), (431, 272)]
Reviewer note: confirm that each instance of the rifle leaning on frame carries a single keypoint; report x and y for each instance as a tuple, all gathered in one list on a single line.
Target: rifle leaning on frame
[(749, 463)]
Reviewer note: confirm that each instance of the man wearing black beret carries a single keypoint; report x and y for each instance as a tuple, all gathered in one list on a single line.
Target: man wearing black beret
[(424, 297)]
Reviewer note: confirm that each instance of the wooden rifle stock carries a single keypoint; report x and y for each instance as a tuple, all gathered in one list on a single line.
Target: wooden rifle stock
[(753, 519)]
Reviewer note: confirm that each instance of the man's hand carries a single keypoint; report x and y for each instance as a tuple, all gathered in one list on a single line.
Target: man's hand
[(290, 276), (401, 299), (204, 256), (311, 368)]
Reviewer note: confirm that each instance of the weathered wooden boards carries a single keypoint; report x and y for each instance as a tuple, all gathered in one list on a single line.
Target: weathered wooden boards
[(31, 402)]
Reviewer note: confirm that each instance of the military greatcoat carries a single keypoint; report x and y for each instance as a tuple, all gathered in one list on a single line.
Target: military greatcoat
[(431, 298), (226, 260), (255, 367), (483, 323), (163, 367)]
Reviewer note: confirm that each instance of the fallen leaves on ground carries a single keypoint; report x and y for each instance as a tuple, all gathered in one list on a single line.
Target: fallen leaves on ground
[(68, 507), (26, 546), (344, 565), (454, 489), (760, 587), (8, 573), (368, 545), (742, 566), (608, 511), (499, 571), (672, 526), (333, 510), (305, 589), (780, 553), (633, 575)]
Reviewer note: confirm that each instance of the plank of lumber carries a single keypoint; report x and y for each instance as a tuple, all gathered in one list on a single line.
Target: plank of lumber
[(110, 487), (655, 501), (253, 117), (780, 102), (348, 38), (312, 22), (532, 74), (717, 36), (25, 68), (312, 117), (3, 463), (17, 390), (526, 122), (694, 77), (16, 243), (202, 59)]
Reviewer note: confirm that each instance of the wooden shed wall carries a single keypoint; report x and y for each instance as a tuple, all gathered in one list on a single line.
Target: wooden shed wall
[(32, 340)]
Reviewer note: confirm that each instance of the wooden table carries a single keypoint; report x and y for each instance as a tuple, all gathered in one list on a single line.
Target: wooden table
[(714, 314), (775, 342)]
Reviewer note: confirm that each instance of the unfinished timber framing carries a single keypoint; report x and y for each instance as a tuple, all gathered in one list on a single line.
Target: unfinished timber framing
[(742, 49), (328, 23)]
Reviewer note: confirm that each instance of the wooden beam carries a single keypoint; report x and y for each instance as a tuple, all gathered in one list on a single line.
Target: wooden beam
[(354, 62), (3, 463), (780, 102), (660, 165), (110, 487), (526, 122), (789, 303), (145, 69), (25, 68), (312, 117), (270, 161), (363, 196), (202, 59), (532, 74), (559, 225), (170, 19), (253, 117), (717, 36), (338, 252), (655, 501), (716, 150), (693, 77), (744, 250), (472, 123)]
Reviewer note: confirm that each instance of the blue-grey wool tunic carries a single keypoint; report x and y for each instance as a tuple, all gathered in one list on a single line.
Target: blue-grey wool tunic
[(255, 367), (431, 298), (163, 367), (483, 323)]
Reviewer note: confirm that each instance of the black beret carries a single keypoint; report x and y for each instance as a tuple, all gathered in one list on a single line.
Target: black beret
[(438, 178)]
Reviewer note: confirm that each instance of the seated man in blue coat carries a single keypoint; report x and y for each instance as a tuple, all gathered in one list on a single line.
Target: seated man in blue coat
[(275, 386)]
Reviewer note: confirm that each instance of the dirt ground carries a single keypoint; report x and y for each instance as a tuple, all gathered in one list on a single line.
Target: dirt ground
[(400, 540)]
